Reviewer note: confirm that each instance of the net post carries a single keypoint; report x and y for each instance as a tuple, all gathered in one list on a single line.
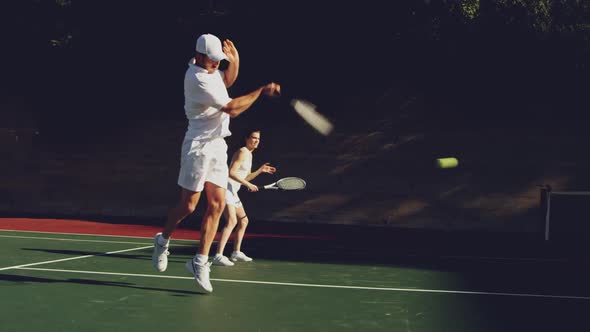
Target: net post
[(546, 208)]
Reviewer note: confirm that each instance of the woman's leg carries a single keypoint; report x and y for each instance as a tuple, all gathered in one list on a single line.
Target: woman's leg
[(242, 223)]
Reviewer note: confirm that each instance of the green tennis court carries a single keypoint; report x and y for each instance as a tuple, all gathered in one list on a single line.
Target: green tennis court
[(76, 282)]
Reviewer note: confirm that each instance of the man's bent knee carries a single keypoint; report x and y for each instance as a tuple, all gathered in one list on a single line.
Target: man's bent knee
[(215, 198), (188, 201), (187, 208), (216, 206)]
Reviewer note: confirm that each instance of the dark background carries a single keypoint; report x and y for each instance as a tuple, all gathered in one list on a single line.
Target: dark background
[(93, 91)]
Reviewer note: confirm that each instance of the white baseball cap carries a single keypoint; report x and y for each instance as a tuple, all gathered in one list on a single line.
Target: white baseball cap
[(210, 46)]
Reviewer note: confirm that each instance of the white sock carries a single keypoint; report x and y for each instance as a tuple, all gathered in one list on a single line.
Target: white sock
[(201, 259), (162, 241)]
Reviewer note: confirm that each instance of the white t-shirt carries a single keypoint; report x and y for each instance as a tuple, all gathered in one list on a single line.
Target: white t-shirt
[(204, 95), (243, 171)]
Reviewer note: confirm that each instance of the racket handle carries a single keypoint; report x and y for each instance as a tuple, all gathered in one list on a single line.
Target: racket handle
[(271, 187)]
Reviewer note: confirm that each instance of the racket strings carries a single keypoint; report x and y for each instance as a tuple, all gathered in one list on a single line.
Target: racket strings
[(291, 184)]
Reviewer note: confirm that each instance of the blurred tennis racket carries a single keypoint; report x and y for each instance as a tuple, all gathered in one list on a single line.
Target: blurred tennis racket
[(309, 113), (290, 183)]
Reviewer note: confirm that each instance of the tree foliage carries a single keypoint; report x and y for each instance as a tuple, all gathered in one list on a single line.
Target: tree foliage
[(539, 15)]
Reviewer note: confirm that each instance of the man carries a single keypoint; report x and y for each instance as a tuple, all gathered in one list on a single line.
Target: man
[(240, 174), (208, 109)]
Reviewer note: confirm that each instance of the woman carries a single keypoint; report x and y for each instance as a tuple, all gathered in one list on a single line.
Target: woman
[(239, 174)]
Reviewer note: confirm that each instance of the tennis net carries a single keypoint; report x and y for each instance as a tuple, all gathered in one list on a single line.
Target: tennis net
[(566, 215)]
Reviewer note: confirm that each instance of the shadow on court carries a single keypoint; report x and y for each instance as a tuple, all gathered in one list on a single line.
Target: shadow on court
[(358, 244), (499, 263), (90, 282), (146, 257), (502, 263), (83, 253)]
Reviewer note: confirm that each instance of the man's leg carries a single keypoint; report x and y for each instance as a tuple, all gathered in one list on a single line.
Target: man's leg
[(199, 266), (210, 223), (185, 206)]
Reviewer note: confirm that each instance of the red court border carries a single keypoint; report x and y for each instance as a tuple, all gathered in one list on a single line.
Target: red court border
[(85, 227)]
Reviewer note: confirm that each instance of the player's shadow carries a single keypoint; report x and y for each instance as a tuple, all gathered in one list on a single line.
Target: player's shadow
[(84, 253), (146, 256), (90, 282)]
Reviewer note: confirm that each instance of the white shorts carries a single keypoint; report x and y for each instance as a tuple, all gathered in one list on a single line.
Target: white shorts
[(203, 161), (232, 198)]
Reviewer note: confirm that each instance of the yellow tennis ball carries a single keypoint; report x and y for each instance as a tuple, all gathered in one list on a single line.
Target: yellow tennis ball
[(447, 162)]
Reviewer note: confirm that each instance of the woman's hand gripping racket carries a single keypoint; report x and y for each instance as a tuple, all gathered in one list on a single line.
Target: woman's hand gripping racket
[(290, 183)]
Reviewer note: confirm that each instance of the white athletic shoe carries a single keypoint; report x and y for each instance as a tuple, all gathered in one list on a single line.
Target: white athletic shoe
[(201, 274), (160, 255), (221, 260), (238, 256)]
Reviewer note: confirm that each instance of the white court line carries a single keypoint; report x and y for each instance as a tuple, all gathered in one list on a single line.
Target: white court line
[(62, 239), (82, 240), (86, 234), (532, 259), (197, 241), (73, 258), (414, 290)]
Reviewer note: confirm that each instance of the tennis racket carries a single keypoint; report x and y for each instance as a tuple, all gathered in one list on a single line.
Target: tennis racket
[(309, 113), (290, 183)]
